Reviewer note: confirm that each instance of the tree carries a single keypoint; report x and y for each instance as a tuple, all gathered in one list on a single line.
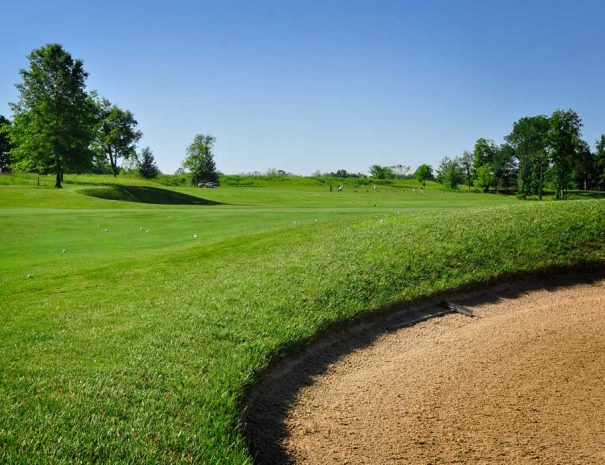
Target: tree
[(450, 173), (563, 142), (400, 170), (503, 166), (466, 164), (5, 145), (529, 142), (53, 121), (147, 166), (599, 162), (116, 134), (200, 160), (483, 178), (483, 157), (423, 173), (584, 171), (381, 172)]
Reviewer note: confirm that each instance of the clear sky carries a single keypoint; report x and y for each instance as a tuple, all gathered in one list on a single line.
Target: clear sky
[(307, 85)]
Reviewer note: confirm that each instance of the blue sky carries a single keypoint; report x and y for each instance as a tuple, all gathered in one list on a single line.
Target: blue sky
[(307, 85)]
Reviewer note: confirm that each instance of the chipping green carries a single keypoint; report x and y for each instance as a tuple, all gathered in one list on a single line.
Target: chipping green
[(143, 324)]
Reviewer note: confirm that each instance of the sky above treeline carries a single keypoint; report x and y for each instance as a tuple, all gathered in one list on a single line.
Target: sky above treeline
[(322, 85)]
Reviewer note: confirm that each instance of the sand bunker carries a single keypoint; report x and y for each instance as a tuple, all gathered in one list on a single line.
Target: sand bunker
[(523, 382)]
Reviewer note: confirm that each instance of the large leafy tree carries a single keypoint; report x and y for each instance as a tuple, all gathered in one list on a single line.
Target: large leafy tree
[(5, 145), (382, 172), (147, 165), (423, 173), (200, 159), (53, 121), (116, 134), (529, 141), (564, 139)]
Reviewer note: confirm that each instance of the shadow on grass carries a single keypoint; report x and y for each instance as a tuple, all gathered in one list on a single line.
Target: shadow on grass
[(143, 194), (571, 195), (268, 402)]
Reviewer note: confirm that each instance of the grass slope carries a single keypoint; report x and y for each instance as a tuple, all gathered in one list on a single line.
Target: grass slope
[(136, 347), (145, 194)]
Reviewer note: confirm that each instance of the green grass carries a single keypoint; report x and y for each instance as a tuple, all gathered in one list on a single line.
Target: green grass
[(138, 347), (145, 194)]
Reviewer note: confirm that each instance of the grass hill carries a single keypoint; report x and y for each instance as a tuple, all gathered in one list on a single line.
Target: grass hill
[(132, 327)]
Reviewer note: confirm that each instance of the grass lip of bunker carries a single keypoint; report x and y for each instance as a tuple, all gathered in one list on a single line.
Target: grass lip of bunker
[(269, 430)]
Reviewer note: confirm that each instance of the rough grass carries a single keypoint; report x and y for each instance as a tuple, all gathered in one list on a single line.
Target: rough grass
[(135, 347)]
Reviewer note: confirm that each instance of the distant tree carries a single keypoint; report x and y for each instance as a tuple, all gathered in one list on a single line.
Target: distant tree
[(200, 160), (483, 157), (450, 173), (54, 118), (600, 162), (584, 173), (564, 140), (272, 172), (100, 165), (401, 171), (423, 173), (381, 172), (116, 134), (5, 145), (484, 178), (466, 164), (529, 141), (341, 174), (503, 166), (147, 166)]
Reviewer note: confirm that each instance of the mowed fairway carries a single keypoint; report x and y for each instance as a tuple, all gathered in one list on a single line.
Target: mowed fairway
[(134, 341)]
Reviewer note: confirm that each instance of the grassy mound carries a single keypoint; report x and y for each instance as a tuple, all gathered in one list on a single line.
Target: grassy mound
[(138, 346), (144, 194)]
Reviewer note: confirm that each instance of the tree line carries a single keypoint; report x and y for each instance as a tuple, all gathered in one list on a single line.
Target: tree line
[(540, 151), (58, 126)]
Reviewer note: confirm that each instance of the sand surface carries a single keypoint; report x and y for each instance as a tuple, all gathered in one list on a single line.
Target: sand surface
[(522, 382)]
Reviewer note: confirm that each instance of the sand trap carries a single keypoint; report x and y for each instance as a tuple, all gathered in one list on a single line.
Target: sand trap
[(523, 382)]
